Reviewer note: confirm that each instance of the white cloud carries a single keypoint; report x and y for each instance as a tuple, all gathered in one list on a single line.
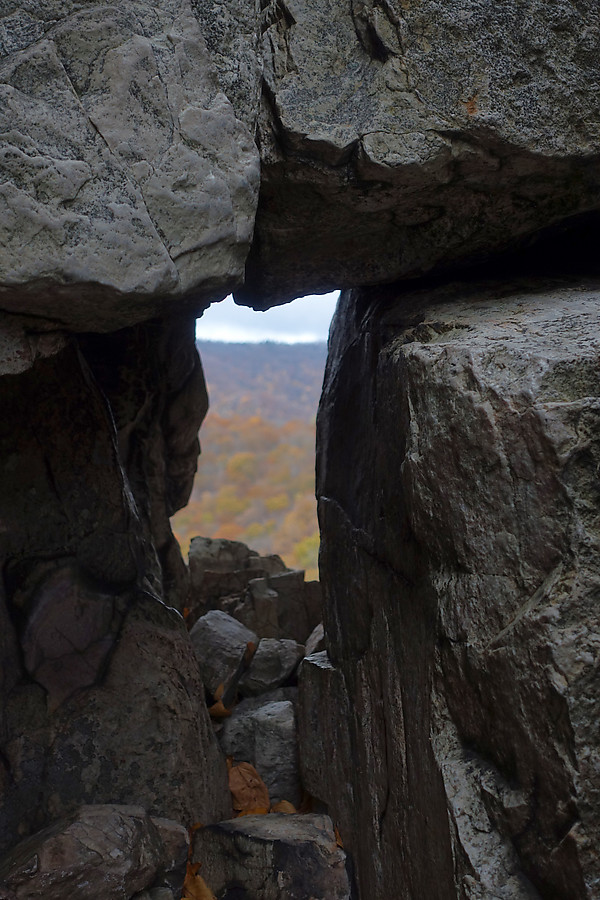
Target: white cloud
[(306, 319)]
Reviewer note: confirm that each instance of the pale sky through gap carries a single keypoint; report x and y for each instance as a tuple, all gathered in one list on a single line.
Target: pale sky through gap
[(305, 320)]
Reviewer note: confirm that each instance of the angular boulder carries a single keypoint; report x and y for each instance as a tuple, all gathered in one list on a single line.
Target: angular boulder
[(220, 643), (126, 173), (439, 132), (273, 857), (266, 736), (99, 851), (220, 573), (273, 663), (463, 671)]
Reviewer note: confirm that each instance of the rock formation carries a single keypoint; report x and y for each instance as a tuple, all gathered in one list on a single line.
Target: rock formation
[(462, 616), (154, 159)]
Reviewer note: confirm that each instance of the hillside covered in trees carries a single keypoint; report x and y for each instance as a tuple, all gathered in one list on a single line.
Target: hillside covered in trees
[(255, 480)]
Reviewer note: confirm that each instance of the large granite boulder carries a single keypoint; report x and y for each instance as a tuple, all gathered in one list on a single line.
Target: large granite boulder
[(453, 731), (397, 136), (274, 857), (100, 695), (127, 180), (99, 851), (265, 735)]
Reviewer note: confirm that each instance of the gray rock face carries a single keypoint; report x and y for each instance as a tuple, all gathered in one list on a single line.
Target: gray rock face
[(259, 591), (464, 667), (274, 857), (316, 641), (272, 665), (220, 644), (125, 169), (140, 734), (435, 131), (266, 736), (99, 851), (220, 573), (99, 441)]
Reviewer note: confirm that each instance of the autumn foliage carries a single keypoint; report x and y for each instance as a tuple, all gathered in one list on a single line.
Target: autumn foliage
[(255, 480)]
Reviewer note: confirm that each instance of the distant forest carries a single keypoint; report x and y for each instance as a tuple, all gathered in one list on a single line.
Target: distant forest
[(255, 480)]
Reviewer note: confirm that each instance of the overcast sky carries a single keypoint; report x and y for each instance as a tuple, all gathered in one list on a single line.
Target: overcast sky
[(306, 319)]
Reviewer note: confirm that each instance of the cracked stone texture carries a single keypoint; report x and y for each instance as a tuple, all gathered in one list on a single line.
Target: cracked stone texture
[(140, 734), (274, 857), (272, 665), (100, 851), (100, 695), (127, 179), (398, 136), (453, 731), (264, 734)]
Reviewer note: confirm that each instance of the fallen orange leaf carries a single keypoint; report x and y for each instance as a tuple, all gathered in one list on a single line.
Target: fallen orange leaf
[(284, 806), (218, 711), (248, 790), (260, 811), (194, 886)]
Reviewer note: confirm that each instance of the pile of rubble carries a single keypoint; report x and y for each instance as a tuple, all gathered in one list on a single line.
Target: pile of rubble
[(252, 622)]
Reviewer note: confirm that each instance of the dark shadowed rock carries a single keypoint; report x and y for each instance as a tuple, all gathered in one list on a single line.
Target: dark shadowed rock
[(461, 618), (220, 643), (139, 734), (417, 135), (316, 641), (99, 851), (265, 735), (220, 572), (272, 664), (259, 591), (273, 857)]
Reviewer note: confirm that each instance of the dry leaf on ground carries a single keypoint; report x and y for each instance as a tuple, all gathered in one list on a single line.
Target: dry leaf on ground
[(248, 790), (218, 711), (284, 806), (194, 886)]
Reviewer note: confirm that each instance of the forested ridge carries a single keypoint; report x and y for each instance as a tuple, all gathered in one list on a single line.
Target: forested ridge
[(255, 480)]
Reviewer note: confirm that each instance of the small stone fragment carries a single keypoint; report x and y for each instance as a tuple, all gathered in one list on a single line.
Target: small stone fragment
[(316, 641)]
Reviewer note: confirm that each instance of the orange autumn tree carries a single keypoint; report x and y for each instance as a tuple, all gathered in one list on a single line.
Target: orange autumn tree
[(255, 480)]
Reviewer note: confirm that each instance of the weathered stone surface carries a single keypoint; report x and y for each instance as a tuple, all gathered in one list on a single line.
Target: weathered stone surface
[(462, 616), (316, 641), (259, 591), (71, 631), (299, 604), (220, 572), (86, 551), (159, 893), (220, 644), (436, 131), (274, 857), (139, 734), (272, 664), (126, 173), (99, 851), (152, 377), (266, 736)]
